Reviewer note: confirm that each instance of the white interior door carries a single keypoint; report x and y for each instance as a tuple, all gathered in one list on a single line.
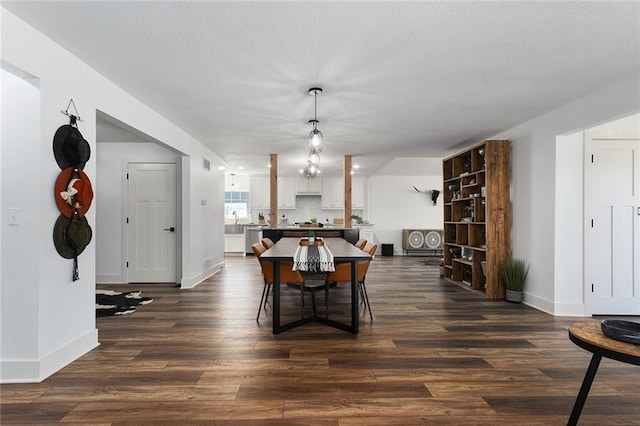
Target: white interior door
[(612, 224), (151, 222)]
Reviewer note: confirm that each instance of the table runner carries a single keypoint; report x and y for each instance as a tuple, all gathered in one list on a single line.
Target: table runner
[(313, 258)]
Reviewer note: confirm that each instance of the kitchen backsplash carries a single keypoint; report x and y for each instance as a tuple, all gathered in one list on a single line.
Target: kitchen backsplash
[(306, 208)]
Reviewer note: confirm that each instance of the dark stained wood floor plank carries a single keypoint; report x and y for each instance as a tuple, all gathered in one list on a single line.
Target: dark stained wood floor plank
[(436, 353)]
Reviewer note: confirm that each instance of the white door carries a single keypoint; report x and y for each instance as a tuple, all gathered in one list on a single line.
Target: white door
[(151, 222), (612, 224)]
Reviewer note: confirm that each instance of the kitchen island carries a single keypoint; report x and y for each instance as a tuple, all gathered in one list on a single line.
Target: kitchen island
[(350, 234)]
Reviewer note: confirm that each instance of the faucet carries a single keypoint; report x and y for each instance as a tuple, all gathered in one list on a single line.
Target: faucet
[(235, 215)]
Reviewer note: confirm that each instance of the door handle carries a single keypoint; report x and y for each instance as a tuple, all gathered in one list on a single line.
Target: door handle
[(172, 229)]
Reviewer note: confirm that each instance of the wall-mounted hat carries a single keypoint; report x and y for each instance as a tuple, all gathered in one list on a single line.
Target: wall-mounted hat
[(69, 147), (73, 192), (71, 236)]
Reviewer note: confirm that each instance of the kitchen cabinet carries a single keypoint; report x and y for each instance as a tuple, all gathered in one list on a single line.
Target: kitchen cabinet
[(308, 186), (286, 193), (366, 232), (234, 243), (332, 194), (357, 193), (477, 216), (259, 193)]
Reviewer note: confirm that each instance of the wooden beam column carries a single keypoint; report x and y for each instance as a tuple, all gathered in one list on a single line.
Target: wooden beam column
[(273, 191), (346, 178)]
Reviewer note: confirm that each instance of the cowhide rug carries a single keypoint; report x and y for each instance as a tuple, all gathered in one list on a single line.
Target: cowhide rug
[(109, 302)]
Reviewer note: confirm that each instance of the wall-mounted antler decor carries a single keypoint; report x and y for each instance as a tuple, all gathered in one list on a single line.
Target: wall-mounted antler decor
[(434, 194)]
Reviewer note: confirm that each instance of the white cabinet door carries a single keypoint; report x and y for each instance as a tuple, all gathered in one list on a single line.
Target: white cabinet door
[(332, 194), (308, 186), (259, 193), (286, 193), (357, 193), (234, 243), (366, 233)]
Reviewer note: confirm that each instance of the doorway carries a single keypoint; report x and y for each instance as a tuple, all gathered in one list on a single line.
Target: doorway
[(151, 222), (612, 224), (119, 145)]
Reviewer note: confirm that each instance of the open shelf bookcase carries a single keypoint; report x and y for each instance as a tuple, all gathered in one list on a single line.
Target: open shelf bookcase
[(477, 216)]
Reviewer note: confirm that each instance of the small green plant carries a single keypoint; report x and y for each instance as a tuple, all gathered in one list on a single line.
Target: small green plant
[(311, 234), (314, 220), (357, 218), (514, 273)]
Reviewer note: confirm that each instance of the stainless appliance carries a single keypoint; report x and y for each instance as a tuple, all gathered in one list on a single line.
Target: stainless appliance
[(252, 234)]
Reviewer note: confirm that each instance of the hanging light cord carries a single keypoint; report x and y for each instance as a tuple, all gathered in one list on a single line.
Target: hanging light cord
[(315, 108)]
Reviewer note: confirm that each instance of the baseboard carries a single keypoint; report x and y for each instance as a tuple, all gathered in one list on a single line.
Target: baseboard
[(187, 283), (539, 303), (569, 310), (110, 279), (35, 371)]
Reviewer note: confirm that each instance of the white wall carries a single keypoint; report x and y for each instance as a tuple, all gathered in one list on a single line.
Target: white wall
[(203, 217), (31, 353), (568, 275), (395, 205), (535, 184), (20, 245)]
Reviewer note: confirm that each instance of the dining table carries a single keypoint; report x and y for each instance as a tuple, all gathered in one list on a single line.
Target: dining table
[(284, 250)]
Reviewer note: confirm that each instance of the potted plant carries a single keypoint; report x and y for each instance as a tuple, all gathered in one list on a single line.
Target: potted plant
[(514, 273), (357, 218)]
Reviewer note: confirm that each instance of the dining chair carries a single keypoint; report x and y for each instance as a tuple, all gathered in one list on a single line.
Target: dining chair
[(267, 242), (370, 248), (360, 243), (343, 274), (287, 276)]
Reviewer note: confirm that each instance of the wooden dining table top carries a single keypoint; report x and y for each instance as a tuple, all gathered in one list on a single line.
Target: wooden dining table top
[(341, 249)]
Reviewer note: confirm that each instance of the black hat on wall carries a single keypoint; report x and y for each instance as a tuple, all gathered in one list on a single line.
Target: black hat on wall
[(69, 147)]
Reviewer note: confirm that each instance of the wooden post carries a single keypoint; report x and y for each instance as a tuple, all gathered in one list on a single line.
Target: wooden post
[(346, 173), (273, 191)]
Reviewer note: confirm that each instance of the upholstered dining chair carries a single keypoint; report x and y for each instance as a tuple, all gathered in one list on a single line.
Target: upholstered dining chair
[(360, 243), (343, 274), (287, 276), (370, 248), (267, 242)]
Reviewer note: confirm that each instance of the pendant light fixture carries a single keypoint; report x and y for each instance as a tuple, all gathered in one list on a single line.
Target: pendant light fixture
[(316, 140), (313, 159)]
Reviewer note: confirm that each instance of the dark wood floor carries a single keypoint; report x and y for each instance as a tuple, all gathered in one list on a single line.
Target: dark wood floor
[(435, 353)]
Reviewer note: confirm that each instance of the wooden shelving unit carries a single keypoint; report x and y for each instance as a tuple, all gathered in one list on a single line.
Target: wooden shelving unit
[(477, 216)]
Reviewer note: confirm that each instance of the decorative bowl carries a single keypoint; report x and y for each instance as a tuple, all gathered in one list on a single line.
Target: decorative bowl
[(625, 331)]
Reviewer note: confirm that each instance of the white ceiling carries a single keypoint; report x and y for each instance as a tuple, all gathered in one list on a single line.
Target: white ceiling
[(400, 79)]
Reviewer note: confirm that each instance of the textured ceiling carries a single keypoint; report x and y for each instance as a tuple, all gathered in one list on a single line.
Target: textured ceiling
[(400, 79)]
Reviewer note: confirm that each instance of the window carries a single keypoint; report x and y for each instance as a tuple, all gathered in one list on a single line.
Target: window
[(236, 201)]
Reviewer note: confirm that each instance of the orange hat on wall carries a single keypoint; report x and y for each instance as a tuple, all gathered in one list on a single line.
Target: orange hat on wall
[(73, 192)]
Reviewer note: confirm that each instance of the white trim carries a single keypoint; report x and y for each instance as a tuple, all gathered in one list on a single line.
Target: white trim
[(36, 370), (570, 310), (539, 303), (109, 279), (187, 283)]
